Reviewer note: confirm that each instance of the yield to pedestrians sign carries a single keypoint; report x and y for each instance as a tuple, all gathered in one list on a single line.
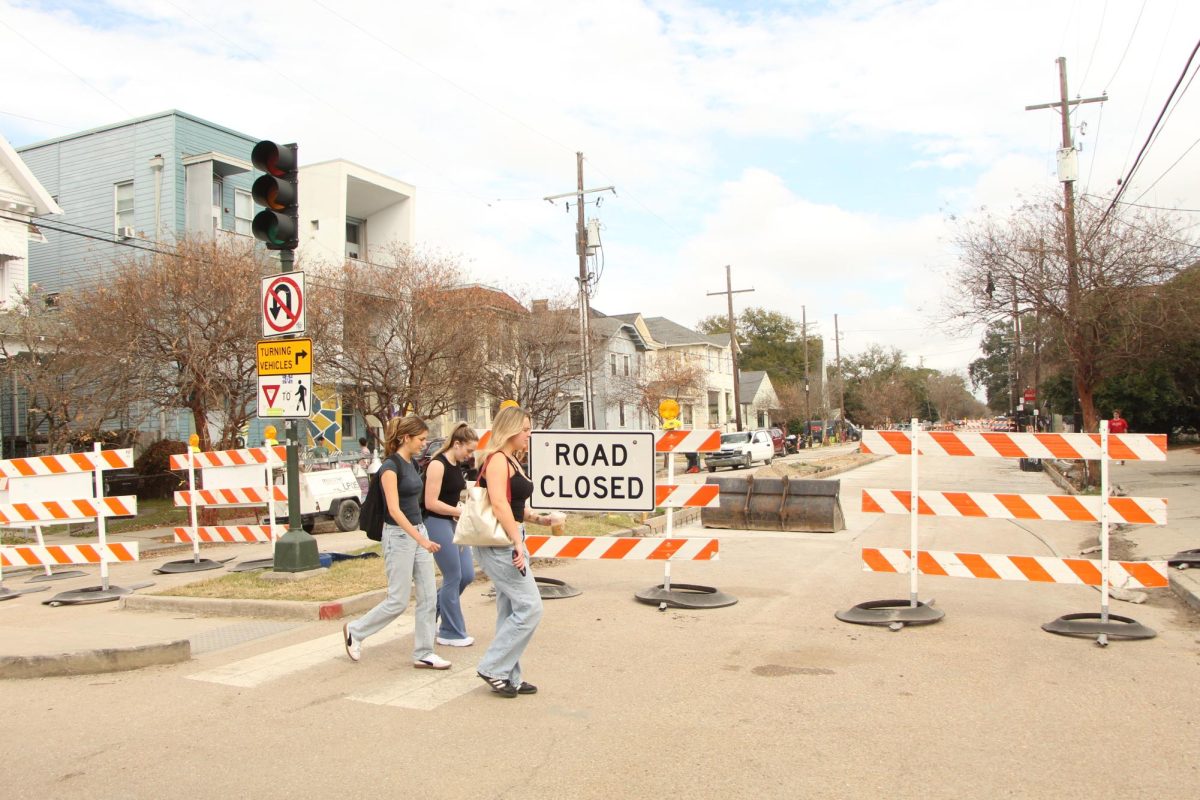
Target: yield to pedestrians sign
[(283, 304), (285, 396)]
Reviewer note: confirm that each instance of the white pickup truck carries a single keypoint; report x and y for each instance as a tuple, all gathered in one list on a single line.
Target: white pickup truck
[(741, 449)]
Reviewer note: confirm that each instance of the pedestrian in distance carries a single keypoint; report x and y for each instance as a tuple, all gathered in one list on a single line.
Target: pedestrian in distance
[(364, 453), (518, 601), (407, 549), (444, 485), (1118, 424)]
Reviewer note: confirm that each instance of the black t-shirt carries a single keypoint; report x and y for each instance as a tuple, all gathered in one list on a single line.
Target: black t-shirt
[(520, 487), (409, 487), (453, 484)]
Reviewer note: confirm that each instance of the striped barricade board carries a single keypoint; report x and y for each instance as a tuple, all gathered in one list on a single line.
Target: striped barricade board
[(1035, 569), (231, 458), (687, 441), (230, 534), (623, 548), (691, 495), (68, 462), (1070, 446), (254, 495), (51, 512), (1067, 508), (27, 555)]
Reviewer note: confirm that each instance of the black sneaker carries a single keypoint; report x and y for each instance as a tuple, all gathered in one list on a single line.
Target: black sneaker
[(526, 688), (499, 685)]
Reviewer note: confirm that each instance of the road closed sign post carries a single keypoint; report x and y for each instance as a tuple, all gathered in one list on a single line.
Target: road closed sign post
[(592, 470)]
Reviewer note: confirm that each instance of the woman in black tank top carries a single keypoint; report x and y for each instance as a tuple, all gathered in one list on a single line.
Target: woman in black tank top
[(444, 484), (518, 601)]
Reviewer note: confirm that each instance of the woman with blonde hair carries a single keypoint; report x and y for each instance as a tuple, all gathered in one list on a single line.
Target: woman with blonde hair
[(407, 549), (444, 485), (518, 602)]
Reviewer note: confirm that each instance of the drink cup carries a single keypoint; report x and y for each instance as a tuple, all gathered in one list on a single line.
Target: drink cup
[(558, 523)]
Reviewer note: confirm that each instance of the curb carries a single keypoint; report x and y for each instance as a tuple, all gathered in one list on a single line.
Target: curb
[(91, 662), (295, 610), (1185, 583)]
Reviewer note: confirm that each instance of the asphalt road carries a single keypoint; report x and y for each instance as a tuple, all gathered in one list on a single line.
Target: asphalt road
[(771, 697)]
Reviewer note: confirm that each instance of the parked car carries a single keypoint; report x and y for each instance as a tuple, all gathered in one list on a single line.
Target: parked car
[(779, 441), (741, 450)]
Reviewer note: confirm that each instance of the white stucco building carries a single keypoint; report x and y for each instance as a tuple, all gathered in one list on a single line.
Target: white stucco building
[(349, 211), (21, 197)]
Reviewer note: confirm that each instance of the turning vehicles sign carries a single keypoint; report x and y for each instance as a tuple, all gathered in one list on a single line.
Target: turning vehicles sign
[(592, 470), (285, 378)]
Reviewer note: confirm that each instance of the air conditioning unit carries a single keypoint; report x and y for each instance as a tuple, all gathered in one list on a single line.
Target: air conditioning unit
[(125, 233)]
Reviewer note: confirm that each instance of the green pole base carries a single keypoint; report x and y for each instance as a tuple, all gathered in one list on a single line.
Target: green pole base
[(296, 551)]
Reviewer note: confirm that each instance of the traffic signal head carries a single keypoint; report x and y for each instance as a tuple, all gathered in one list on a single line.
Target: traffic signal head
[(278, 225)]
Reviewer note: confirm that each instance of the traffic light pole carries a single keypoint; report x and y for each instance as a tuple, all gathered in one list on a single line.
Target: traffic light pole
[(296, 550)]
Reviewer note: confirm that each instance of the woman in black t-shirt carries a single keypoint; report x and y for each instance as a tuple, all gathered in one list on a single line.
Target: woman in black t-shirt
[(407, 549), (444, 485)]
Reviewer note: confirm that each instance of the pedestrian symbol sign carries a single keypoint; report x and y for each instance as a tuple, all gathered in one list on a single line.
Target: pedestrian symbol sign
[(285, 396), (283, 304)]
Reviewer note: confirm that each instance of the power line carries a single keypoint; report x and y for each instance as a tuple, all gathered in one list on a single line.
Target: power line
[(1141, 153), (1143, 205), (81, 79), (1127, 44)]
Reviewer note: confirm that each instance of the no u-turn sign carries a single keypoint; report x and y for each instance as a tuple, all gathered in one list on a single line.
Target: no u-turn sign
[(283, 304)]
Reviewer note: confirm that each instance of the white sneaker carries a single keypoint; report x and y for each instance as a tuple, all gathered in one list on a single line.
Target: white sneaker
[(466, 641), (431, 661), (353, 648)]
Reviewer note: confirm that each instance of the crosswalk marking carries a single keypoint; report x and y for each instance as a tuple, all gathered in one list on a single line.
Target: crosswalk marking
[(260, 669), (422, 692)]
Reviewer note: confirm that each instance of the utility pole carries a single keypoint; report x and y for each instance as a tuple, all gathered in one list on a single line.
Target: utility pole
[(1016, 353), (581, 248), (837, 350), (804, 332), (1067, 174), (733, 346)]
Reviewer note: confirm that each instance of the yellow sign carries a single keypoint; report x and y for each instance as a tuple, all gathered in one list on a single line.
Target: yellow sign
[(668, 409), (285, 357)]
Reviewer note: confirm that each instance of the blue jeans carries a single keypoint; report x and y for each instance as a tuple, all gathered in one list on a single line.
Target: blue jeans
[(457, 573), (404, 562), (518, 611)]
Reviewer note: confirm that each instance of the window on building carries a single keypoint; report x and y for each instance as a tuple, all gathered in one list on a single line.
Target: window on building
[(686, 415), (621, 412), (575, 412), (574, 363), (123, 206), (356, 238), (612, 363), (349, 428), (218, 198), (625, 360), (243, 212), (728, 405), (714, 407)]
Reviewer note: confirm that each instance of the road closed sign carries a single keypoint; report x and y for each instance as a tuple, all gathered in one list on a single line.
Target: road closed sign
[(592, 470)]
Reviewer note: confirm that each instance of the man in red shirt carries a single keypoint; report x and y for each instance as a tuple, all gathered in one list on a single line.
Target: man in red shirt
[(1118, 425)]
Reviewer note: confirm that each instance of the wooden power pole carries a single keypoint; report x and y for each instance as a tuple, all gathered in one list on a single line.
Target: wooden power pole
[(733, 345)]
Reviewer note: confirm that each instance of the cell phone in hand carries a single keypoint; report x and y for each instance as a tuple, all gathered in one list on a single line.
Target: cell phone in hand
[(514, 558)]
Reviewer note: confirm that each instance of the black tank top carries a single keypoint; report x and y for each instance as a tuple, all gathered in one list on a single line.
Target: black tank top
[(453, 484), (520, 487)]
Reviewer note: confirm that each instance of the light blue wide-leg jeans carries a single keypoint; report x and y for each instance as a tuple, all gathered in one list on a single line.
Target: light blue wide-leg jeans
[(518, 611), (404, 562), (458, 572)]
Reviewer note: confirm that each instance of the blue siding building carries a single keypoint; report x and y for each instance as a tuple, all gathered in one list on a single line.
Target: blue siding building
[(152, 178)]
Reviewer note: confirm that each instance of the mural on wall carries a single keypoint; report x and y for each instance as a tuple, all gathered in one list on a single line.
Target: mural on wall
[(326, 418)]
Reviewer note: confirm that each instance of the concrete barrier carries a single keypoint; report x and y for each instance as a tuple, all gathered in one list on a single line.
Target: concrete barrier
[(776, 504)]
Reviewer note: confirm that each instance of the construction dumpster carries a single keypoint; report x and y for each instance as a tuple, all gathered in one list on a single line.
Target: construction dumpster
[(775, 504)]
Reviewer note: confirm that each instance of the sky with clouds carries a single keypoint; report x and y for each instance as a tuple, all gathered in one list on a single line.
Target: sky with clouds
[(822, 149)]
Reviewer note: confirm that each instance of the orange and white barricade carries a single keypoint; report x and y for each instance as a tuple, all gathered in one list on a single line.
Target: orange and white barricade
[(59, 490), (1104, 509), (230, 478)]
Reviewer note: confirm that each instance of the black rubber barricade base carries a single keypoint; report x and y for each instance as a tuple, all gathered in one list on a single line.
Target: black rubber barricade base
[(1184, 559), (57, 576), (685, 595), (253, 564), (1089, 623), (92, 594), (554, 589), (188, 565), (894, 614), (9, 594)]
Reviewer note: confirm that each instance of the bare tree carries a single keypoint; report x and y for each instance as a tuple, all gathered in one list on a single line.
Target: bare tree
[(948, 394), (401, 334), (666, 375), (1108, 306), (182, 325), (67, 396)]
